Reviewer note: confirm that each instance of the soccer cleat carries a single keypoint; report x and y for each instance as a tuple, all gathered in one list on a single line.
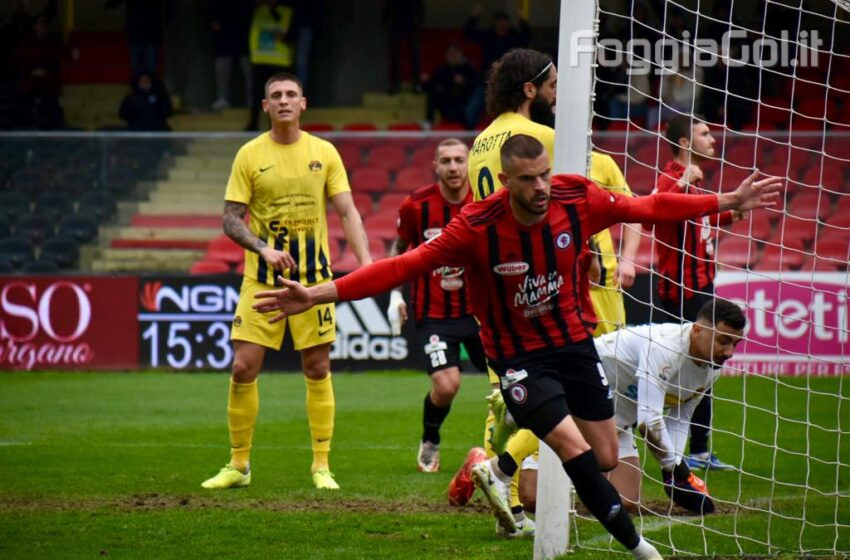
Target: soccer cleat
[(428, 459), (645, 551), (324, 480), (706, 461), (494, 491), (503, 426), (524, 528), (461, 486), (228, 477)]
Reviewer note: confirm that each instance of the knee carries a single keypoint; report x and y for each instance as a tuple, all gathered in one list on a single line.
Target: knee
[(445, 387), (318, 369), (528, 490), (606, 456), (243, 371)]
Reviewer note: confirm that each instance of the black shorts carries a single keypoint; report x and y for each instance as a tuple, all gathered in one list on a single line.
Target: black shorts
[(440, 341), (572, 374)]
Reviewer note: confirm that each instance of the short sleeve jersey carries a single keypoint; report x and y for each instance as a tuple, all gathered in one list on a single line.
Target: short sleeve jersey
[(444, 293), (657, 353), (286, 188)]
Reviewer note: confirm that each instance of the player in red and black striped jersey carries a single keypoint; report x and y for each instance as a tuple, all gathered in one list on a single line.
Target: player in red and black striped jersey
[(441, 303), (522, 248), (685, 251)]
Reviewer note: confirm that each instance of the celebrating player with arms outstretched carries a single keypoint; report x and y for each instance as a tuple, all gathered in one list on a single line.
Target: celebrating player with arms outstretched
[(523, 248)]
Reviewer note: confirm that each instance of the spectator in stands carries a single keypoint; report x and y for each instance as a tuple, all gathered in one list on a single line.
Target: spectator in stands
[(403, 20), (680, 92), (147, 106), (310, 13), (272, 47), (145, 22), (731, 91), (451, 89), (501, 37), (38, 61), (230, 21)]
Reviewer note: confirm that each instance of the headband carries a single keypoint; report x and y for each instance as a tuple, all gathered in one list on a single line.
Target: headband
[(545, 69)]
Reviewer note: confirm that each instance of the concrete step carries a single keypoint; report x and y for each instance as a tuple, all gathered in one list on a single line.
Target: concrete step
[(203, 162), (182, 198), (190, 186), (149, 255), (127, 232), (199, 175), (209, 207), (141, 266)]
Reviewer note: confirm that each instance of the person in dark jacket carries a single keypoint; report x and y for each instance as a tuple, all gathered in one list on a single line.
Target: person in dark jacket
[(498, 39), (147, 106), (450, 90)]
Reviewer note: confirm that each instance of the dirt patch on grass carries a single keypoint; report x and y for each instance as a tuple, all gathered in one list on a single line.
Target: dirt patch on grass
[(662, 507), (158, 502)]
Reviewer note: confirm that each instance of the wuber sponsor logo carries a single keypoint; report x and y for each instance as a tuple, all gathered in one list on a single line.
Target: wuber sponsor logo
[(45, 325), (364, 334)]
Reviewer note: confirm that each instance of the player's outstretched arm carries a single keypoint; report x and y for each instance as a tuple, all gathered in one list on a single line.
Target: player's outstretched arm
[(751, 194), (293, 298)]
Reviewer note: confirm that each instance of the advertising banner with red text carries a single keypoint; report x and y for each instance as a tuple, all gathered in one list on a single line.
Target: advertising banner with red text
[(797, 322), (73, 322)]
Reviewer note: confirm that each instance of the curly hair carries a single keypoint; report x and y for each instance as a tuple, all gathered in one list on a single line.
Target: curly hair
[(507, 76)]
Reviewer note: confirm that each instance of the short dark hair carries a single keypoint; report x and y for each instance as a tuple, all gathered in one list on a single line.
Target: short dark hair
[(283, 77), (507, 76), (720, 310), (678, 127), (520, 146), (450, 142)]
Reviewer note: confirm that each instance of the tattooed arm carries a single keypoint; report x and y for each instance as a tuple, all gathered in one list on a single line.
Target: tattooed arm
[(236, 229)]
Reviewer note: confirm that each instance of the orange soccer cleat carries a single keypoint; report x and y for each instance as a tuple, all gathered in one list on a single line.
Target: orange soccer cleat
[(461, 487)]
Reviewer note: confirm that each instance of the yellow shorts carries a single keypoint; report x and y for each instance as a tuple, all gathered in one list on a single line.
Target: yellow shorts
[(491, 375), (311, 328), (609, 308)]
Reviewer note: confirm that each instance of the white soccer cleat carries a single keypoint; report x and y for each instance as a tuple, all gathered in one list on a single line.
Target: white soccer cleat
[(494, 491), (428, 459)]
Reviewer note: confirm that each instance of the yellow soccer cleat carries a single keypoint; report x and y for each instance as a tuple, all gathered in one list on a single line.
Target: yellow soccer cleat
[(504, 427), (228, 477), (324, 480)]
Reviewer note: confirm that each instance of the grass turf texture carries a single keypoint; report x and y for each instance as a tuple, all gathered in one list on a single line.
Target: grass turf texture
[(111, 464)]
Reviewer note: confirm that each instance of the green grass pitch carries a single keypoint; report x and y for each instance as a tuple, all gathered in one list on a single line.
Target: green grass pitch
[(110, 465)]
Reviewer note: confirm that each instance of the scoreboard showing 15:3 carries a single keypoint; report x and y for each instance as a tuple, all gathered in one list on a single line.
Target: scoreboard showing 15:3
[(184, 322)]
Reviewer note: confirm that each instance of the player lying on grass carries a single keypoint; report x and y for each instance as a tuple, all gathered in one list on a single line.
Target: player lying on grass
[(652, 369), (524, 249)]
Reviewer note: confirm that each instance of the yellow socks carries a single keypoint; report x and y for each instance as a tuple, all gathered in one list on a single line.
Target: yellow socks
[(243, 403), (320, 417), (522, 444), (488, 423)]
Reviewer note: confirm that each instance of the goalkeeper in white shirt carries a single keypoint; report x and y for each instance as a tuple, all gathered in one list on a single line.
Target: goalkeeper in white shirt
[(658, 373)]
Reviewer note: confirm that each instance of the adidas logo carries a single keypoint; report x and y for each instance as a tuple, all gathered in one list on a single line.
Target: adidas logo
[(364, 334)]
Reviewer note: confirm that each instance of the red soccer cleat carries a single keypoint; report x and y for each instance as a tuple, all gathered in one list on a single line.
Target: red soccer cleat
[(461, 487)]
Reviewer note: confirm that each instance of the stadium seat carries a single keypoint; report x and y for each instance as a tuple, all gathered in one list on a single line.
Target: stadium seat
[(55, 205), (390, 203), (448, 126), (736, 252), (360, 127), (35, 227), (346, 263), (830, 177), (81, 228), (833, 247), (64, 251), (370, 180), (819, 264), (648, 155), (17, 250), (794, 232), (728, 178), (99, 205), (423, 156), (6, 266), (640, 179), (225, 249), (335, 231), (40, 266), (411, 178), (13, 204), (405, 126), (351, 156), (363, 203), (382, 226), (317, 127), (775, 258), (756, 226), (209, 266), (377, 248), (387, 157), (741, 155), (810, 205)]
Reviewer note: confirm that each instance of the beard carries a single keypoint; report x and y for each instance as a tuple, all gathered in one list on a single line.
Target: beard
[(541, 112)]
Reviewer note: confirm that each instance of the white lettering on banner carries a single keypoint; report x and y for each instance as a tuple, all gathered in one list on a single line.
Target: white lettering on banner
[(364, 334), (201, 298), (534, 290), (798, 323), (21, 349)]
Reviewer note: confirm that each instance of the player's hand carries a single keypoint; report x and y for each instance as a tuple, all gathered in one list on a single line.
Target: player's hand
[(291, 300), (396, 312), (691, 175), (278, 260), (625, 274), (687, 489), (752, 194)]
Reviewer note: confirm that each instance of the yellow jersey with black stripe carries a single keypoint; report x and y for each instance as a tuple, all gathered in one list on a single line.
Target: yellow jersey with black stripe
[(605, 171), (484, 162), (286, 188)]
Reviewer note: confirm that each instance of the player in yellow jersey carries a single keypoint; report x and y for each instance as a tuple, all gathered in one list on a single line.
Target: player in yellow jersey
[(283, 179), (521, 93)]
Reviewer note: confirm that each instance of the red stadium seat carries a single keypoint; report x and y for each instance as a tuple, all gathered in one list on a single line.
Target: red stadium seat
[(775, 258), (448, 126), (377, 248), (831, 177), (741, 155), (351, 156), (833, 247), (729, 178), (382, 226), (370, 180), (335, 231), (387, 157), (390, 203), (360, 127), (736, 252), (317, 127), (363, 203), (225, 249), (405, 126), (640, 179), (209, 266), (757, 226), (818, 264), (648, 154), (346, 263), (810, 205), (411, 178), (423, 156), (794, 232)]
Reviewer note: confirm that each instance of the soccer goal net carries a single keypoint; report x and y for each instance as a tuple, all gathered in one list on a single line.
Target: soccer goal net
[(771, 80)]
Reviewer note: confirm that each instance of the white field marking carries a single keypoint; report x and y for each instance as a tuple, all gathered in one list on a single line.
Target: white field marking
[(14, 443), (413, 446)]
